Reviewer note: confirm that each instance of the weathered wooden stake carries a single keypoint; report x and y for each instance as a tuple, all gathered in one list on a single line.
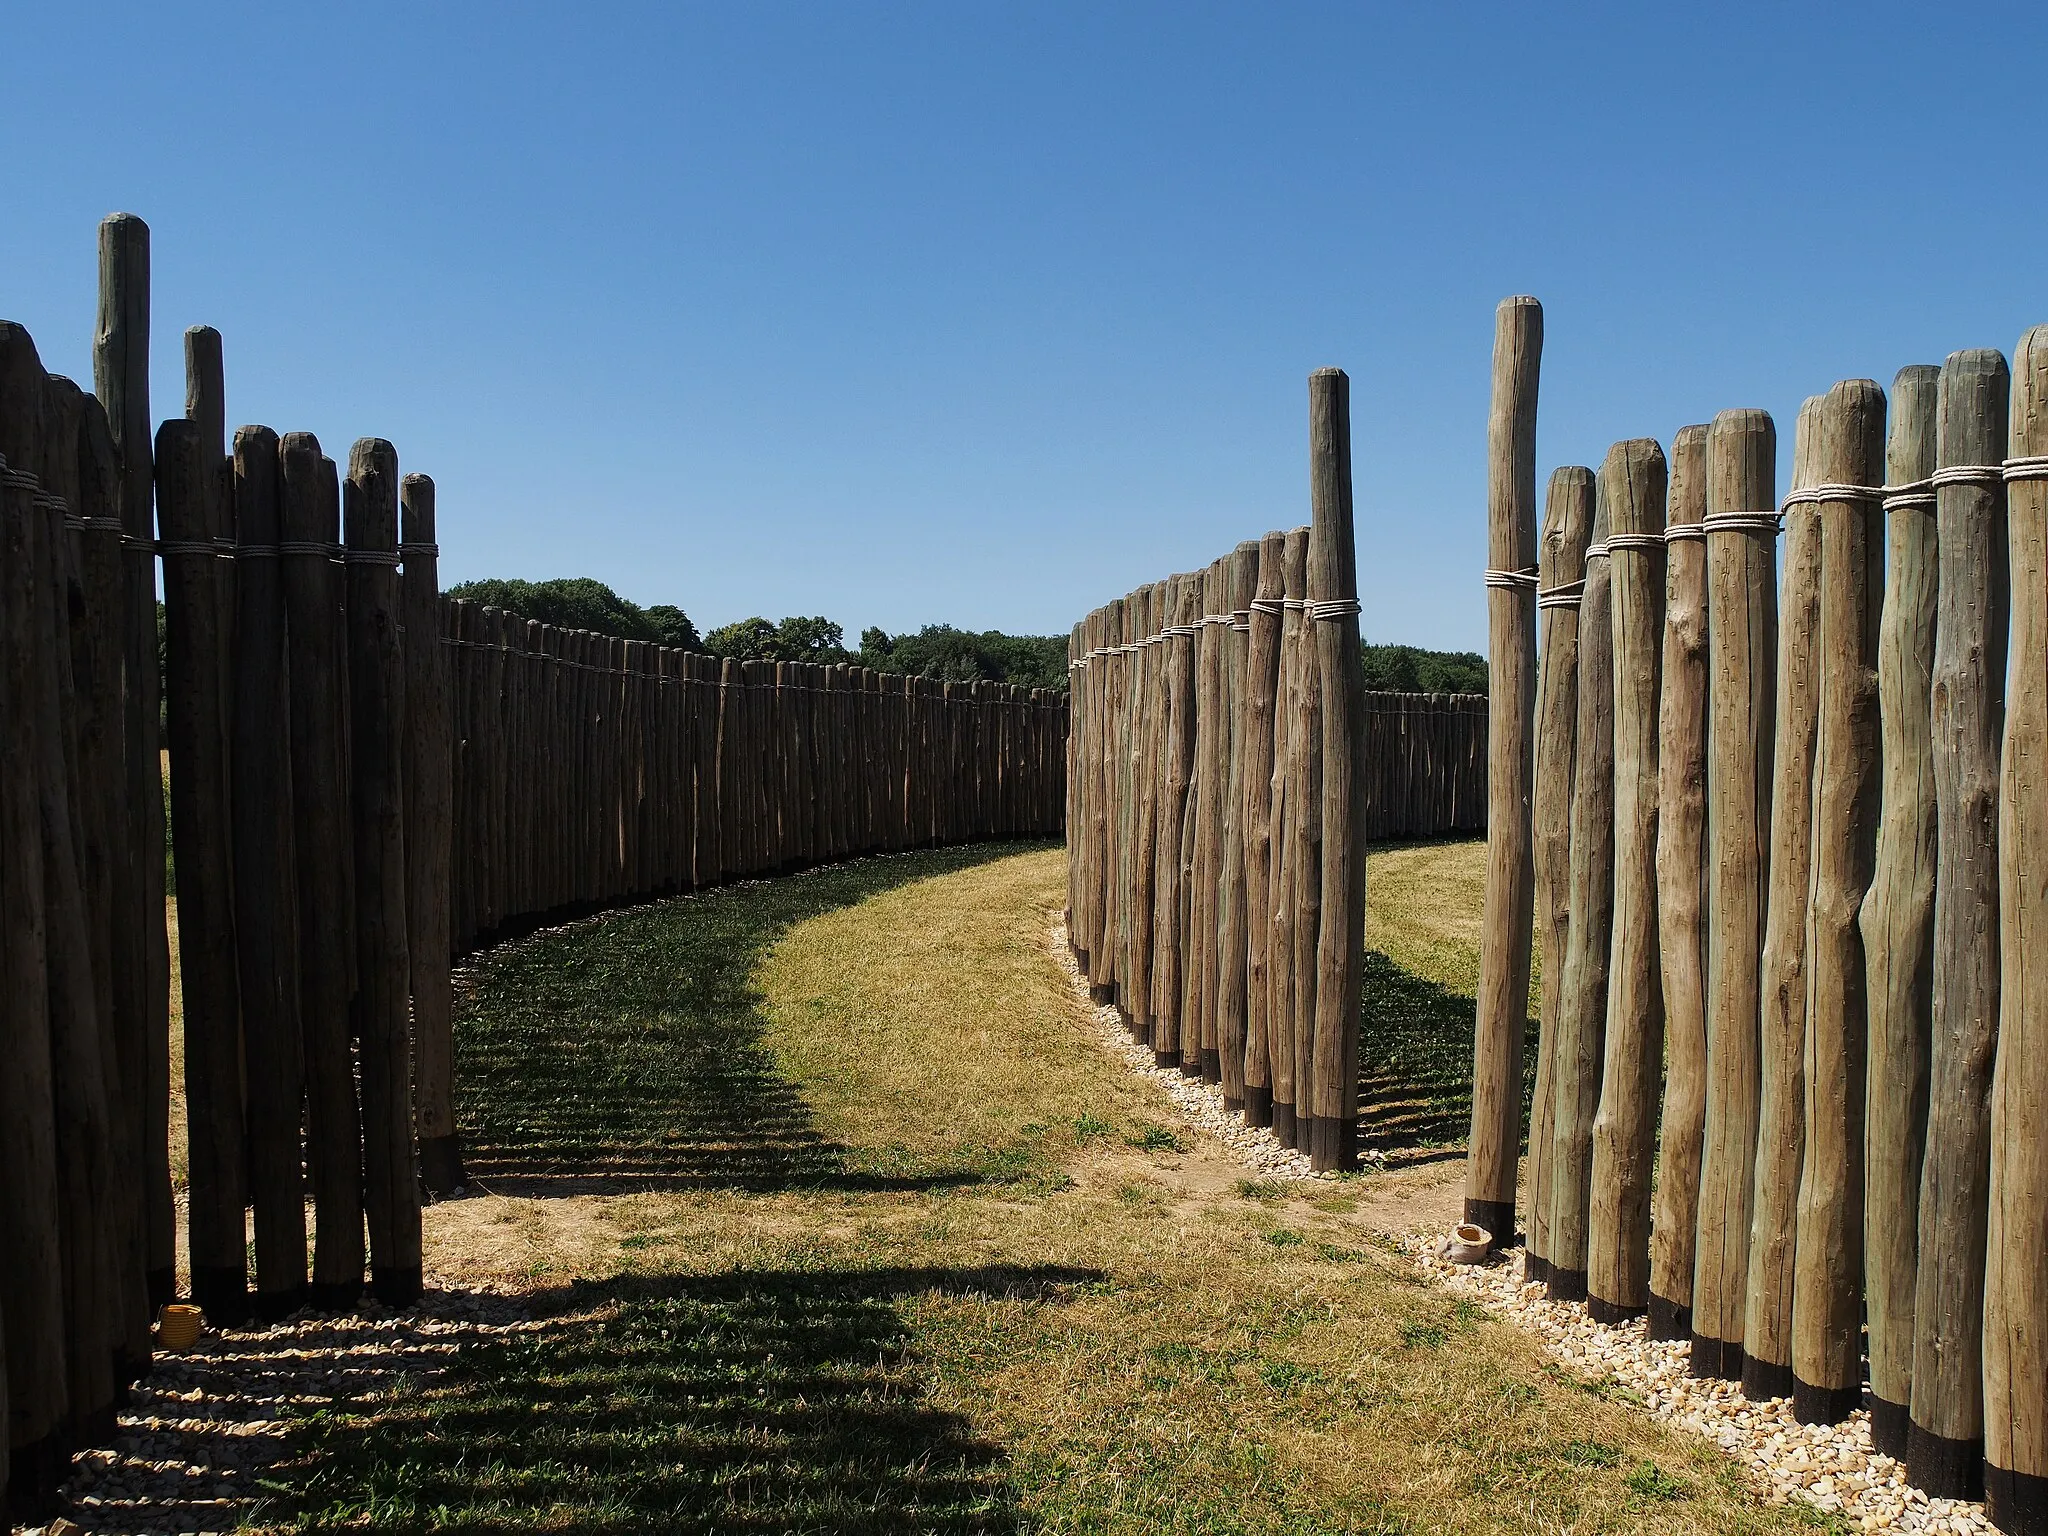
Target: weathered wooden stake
[(1262, 670), (1681, 882), (1504, 937), (1625, 1125), (1945, 1449)]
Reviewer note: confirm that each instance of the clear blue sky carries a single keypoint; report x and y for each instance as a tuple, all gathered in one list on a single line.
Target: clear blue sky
[(984, 313)]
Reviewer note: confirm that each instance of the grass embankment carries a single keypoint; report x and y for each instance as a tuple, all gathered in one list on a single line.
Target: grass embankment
[(891, 1246)]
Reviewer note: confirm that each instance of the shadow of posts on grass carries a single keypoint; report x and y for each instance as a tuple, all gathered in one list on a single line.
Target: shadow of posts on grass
[(1415, 1060), (764, 1400), (626, 1053)]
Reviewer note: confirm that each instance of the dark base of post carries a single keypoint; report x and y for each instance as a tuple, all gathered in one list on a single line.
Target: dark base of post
[(221, 1292), (1130, 1023), (1891, 1427), (1258, 1106), (1765, 1379), (1101, 993), (34, 1473), (1232, 1106), (1567, 1284), (1611, 1312), (1535, 1271), (274, 1306), (1823, 1405), (1498, 1218), (337, 1297), (163, 1287), (1669, 1320), (1165, 1061), (1943, 1468), (129, 1369), (2016, 1502), (1212, 1066), (441, 1165), (1332, 1144), (97, 1427), (396, 1285), (1283, 1124), (1716, 1359)]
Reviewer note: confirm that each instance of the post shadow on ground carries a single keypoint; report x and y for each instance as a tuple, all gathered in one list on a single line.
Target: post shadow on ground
[(1415, 1060), (627, 1053), (747, 1401)]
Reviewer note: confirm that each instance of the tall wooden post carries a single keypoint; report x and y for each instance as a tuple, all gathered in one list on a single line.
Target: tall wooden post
[(1262, 668), (1632, 1071), (1333, 615), (1946, 1443), (316, 660), (1233, 929), (1742, 648), (428, 797), (142, 975), (266, 889), (376, 679), (1169, 952), (1567, 526), (2016, 1287), (1681, 882), (206, 920), (1582, 1000), (1827, 1276), (1898, 915), (1504, 936), (1304, 893), (1781, 1105)]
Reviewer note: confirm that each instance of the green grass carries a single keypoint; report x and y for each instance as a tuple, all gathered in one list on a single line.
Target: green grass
[(875, 1239)]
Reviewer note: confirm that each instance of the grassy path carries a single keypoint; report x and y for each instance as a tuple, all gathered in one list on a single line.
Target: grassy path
[(831, 1217)]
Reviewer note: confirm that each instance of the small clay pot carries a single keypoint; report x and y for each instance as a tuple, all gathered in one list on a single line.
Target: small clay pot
[(177, 1326), (1469, 1244)]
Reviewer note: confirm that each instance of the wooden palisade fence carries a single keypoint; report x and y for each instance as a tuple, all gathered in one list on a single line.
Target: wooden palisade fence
[(1794, 926), (1218, 782), (365, 779)]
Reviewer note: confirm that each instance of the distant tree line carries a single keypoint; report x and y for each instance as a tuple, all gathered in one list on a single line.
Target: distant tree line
[(937, 650)]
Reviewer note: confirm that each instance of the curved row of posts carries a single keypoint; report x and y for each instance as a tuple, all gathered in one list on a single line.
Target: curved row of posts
[(1217, 813), (1780, 840), (364, 779)]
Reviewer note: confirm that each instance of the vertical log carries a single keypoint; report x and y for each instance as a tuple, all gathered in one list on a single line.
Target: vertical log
[(1781, 1108), (32, 1265), (1567, 526), (428, 797), (1177, 766), (1232, 932), (143, 960), (1632, 1069), (1198, 1032), (1946, 1442), (316, 660), (1504, 936), (1142, 709), (1307, 832), (2016, 1287), (1262, 671), (1283, 1033), (206, 924), (376, 677), (1742, 646), (1333, 621), (1582, 997), (1681, 885), (1827, 1277), (266, 891)]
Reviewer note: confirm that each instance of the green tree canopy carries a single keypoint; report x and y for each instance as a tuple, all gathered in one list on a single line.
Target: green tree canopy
[(1410, 669), (580, 602), (961, 656)]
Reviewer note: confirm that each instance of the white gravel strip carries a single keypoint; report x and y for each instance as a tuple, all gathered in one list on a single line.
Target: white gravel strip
[(1830, 1466), (1200, 1103)]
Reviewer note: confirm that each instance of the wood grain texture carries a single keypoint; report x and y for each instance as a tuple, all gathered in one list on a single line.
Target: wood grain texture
[(1582, 999), (1742, 645), (1781, 1105), (2016, 1280), (1944, 1454), (1681, 886), (1567, 527), (1632, 1063), (1262, 672), (1504, 941)]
